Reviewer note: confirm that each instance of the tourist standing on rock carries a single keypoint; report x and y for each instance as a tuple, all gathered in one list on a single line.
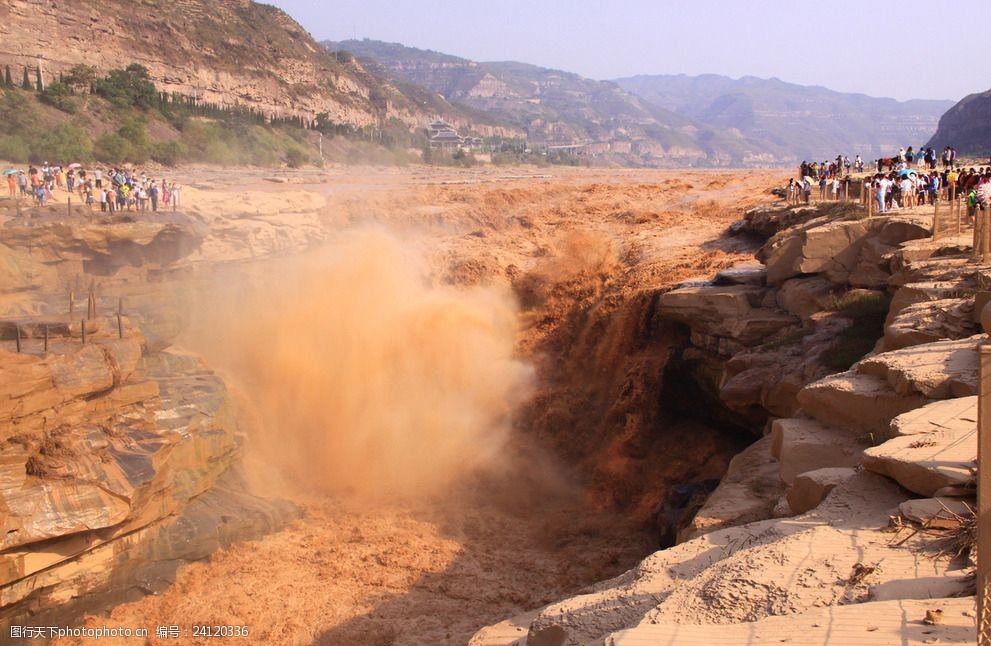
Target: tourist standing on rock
[(22, 183), (882, 185), (153, 195), (12, 185)]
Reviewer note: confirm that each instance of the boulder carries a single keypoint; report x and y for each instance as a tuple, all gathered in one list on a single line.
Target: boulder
[(731, 311), (941, 513), (806, 296), (928, 462), (742, 274), (819, 246), (844, 251), (811, 488), (937, 370), (958, 414), (862, 402), (802, 445), (926, 322)]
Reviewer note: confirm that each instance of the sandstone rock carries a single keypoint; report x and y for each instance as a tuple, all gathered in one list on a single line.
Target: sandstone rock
[(90, 573), (924, 292), (803, 445), (804, 297), (845, 251), (811, 488), (742, 274), (731, 311), (937, 370), (745, 574), (747, 492), (820, 246), (860, 402), (942, 513), (947, 319), (768, 219), (31, 383), (958, 271), (958, 414), (927, 462)]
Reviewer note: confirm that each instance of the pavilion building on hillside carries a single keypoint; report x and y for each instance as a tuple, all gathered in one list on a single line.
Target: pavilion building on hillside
[(443, 136)]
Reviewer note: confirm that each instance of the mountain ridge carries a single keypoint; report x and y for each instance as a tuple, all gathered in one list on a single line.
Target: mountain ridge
[(794, 119), (560, 108)]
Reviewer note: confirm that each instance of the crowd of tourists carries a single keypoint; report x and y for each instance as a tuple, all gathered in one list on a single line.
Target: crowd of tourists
[(113, 189), (909, 178), (907, 188)]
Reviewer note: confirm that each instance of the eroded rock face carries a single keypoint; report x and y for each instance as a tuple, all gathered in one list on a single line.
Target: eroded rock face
[(927, 462), (937, 370), (928, 321), (732, 311), (802, 445), (103, 450), (844, 251), (864, 402)]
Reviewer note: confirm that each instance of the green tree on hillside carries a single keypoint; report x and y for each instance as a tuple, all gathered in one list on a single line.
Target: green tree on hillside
[(38, 85), (81, 76), (8, 81), (58, 95), (128, 87), (26, 83)]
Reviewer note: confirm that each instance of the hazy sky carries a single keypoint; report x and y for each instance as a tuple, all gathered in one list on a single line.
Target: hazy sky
[(882, 49)]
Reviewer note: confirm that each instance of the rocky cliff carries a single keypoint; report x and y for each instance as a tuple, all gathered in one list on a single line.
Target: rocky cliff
[(121, 452), (851, 351), (966, 126), (224, 52)]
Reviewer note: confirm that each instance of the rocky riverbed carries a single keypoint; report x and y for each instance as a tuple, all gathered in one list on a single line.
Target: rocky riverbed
[(624, 396)]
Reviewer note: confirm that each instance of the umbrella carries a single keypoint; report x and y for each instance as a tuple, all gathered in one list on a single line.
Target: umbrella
[(75, 165), (10, 171), (905, 172)]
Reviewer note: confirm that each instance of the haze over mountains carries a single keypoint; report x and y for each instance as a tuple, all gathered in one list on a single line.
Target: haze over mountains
[(240, 53), (794, 120), (662, 120)]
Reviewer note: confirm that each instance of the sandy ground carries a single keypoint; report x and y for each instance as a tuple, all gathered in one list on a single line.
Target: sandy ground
[(579, 249)]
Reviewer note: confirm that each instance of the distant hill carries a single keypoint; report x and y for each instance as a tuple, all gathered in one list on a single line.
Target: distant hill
[(558, 108), (792, 120), (966, 126)]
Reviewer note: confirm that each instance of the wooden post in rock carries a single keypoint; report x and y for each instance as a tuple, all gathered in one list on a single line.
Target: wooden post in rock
[(959, 222), (985, 235), (120, 326), (936, 221), (46, 338), (17, 335), (72, 303), (978, 241), (68, 207), (984, 485), (82, 329)]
